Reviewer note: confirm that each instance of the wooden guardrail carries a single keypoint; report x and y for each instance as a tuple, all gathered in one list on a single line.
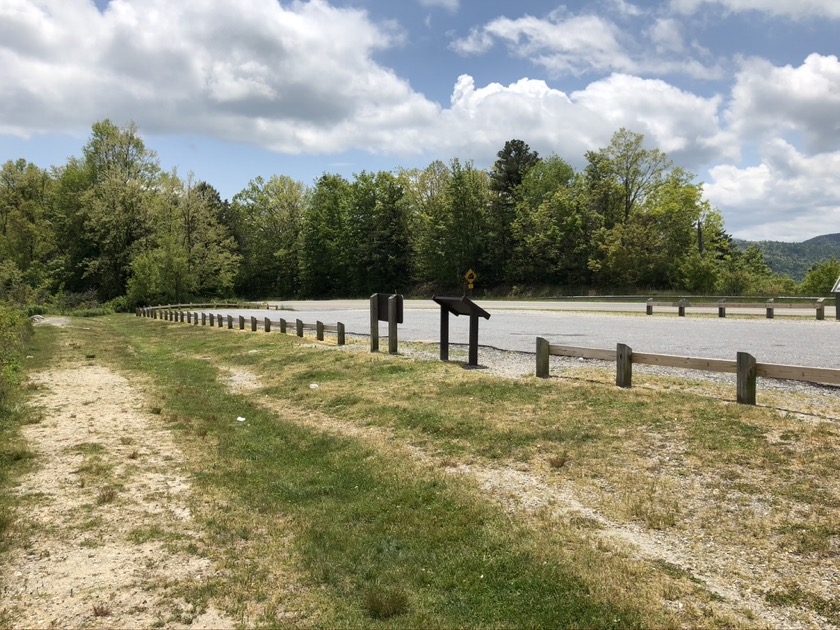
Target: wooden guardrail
[(744, 366), (219, 320), (770, 306)]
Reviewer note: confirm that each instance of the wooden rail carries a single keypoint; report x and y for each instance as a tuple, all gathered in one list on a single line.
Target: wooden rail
[(744, 366), (769, 306), (217, 319)]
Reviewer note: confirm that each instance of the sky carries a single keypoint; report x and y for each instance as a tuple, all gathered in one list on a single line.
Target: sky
[(743, 93)]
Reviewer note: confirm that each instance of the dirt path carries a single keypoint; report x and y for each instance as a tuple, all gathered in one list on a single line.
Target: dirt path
[(106, 511)]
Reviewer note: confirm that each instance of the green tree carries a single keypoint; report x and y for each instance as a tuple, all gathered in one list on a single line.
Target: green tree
[(270, 215), (821, 278), (623, 175), (26, 235), (323, 261), (649, 249), (188, 253), (121, 177), (514, 162), (554, 241), (377, 234)]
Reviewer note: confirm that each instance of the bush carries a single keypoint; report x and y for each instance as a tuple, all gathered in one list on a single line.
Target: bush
[(15, 331)]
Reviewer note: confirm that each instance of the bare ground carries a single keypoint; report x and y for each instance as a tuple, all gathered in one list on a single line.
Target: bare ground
[(109, 506)]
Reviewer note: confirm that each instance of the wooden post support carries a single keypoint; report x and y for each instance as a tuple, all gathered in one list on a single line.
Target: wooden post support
[(189, 317), (543, 350), (473, 350), (374, 323), (299, 327), (392, 324), (681, 308), (623, 365), (722, 308), (282, 325), (267, 325), (195, 318), (203, 319), (220, 320), (230, 322), (444, 334), (319, 330), (820, 309), (241, 323), (746, 378), (253, 324), (769, 307), (649, 307), (212, 320), (340, 332), (183, 316)]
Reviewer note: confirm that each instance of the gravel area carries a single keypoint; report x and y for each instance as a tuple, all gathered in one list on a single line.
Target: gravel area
[(795, 396)]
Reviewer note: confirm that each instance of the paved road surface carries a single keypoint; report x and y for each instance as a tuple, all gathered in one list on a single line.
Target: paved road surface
[(792, 340)]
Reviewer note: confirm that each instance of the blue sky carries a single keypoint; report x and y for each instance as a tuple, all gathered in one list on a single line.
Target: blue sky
[(744, 93)]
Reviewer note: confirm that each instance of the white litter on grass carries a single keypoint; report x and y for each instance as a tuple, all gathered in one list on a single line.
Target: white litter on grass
[(240, 419), (314, 386)]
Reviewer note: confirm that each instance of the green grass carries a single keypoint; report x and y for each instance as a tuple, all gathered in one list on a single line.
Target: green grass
[(373, 537)]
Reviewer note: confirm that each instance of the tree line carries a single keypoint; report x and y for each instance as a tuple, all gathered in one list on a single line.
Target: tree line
[(112, 226)]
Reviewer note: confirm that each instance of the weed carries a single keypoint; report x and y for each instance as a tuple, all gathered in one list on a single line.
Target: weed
[(156, 410), (106, 495), (558, 461), (134, 454), (101, 610), (386, 603)]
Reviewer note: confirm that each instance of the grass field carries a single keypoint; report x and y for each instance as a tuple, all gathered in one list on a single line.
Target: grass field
[(375, 491)]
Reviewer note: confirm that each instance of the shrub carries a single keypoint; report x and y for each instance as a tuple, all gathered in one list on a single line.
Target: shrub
[(15, 331)]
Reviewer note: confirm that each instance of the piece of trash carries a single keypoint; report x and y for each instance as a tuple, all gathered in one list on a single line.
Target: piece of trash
[(580, 359), (240, 419), (314, 386)]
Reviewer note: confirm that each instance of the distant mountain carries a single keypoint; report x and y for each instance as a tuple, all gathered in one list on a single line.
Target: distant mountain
[(795, 259)]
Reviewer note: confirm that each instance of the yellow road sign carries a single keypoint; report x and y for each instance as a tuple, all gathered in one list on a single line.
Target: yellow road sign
[(470, 276)]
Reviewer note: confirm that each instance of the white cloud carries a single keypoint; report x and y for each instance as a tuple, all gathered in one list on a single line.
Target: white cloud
[(770, 101), (574, 45), (666, 34), (682, 124), (796, 9), (451, 5), (788, 196), (571, 45), (297, 78)]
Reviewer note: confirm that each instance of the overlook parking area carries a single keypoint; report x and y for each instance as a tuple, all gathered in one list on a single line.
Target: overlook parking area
[(795, 339)]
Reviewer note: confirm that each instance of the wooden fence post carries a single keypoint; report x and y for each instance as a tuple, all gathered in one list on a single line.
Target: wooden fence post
[(340, 333), (195, 318), (746, 378), (212, 320), (241, 323), (681, 308), (299, 327), (392, 324), (820, 309), (649, 307), (282, 325), (769, 307), (319, 330), (374, 323), (253, 324), (230, 322), (722, 308), (267, 325), (543, 351), (623, 365)]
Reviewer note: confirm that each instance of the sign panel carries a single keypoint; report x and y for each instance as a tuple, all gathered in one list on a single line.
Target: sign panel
[(382, 307)]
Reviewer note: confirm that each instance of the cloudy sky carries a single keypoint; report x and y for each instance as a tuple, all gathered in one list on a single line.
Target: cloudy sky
[(744, 93)]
